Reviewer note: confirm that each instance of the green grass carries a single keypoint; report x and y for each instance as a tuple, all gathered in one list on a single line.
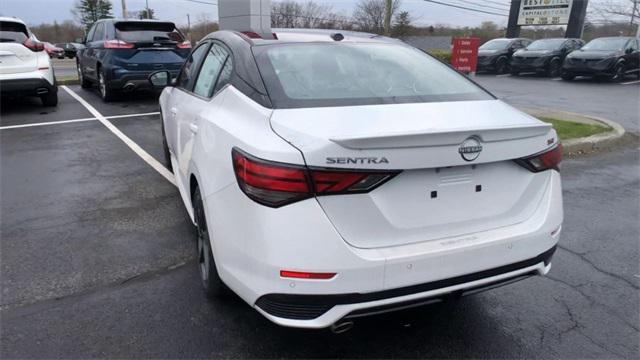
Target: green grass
[(571, 130)]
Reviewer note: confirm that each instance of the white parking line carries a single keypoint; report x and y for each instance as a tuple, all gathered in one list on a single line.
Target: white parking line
[(130, 143), (46, 123), (630, 82), (75, 120)]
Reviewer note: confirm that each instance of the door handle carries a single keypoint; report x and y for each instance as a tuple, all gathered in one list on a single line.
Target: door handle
[(193, 128)]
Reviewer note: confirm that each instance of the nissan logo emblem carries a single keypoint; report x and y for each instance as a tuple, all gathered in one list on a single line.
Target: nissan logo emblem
[(470, 149)]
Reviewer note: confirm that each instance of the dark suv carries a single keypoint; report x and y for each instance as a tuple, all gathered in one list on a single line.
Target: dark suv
[(120, 54), (495, 55), (544, 56), (611, 57)]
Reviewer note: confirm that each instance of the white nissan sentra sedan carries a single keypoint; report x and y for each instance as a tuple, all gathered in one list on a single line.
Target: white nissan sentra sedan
[(336, 175)]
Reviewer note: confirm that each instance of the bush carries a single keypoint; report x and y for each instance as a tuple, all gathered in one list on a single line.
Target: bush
[(442, 55)]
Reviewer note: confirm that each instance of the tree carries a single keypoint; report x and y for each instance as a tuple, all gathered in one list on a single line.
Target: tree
[(402, 24), (621, 11), (147, 13), (368, 15), (292, 14), (89, 11)]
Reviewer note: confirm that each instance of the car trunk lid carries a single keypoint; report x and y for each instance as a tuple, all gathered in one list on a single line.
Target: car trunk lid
[(439, 193)]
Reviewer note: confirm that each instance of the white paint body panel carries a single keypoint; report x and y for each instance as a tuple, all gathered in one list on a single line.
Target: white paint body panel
[(461, 234)]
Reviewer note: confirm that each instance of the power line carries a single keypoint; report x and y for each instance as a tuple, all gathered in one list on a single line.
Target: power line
[(497, 3), (465, 8), (202, 2), (481, 5)]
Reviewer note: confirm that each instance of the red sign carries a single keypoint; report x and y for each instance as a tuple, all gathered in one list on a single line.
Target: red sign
[(465, 54)]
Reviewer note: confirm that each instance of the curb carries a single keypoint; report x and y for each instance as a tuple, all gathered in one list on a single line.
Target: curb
[(589, 143), (68, 82)]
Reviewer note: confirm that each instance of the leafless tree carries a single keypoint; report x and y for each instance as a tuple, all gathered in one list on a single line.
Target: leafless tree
[(292, 14), (368, 15), (616, 11)]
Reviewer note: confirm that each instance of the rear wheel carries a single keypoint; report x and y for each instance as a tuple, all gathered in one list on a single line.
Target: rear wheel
[(554, 68), (84, 83), (50, 99), (502, 66), (211, 282), (106, 93)]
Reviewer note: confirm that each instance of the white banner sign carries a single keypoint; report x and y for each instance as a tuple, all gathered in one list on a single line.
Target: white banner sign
[(544, 12)]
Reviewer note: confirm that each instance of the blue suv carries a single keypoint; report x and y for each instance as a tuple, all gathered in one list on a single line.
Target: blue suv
[(120, 54)]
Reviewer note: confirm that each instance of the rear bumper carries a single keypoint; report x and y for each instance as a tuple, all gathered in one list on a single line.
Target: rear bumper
[(139, 79), (26, 87), (293, 309), (300, 237)]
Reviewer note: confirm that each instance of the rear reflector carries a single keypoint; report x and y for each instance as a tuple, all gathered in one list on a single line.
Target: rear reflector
[(306, 275), (117, 44), (547, 160), (277, 184)]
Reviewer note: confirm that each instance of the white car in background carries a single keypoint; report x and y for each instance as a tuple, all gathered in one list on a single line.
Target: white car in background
[(25, 68), (336, 175)]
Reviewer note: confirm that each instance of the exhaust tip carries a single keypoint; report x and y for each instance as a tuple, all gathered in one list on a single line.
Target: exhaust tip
[(342, 327), (129, 87)]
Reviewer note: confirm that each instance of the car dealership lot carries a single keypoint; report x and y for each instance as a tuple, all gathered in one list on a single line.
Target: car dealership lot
[(98, 257)]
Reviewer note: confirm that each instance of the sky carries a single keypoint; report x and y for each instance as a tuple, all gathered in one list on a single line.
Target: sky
[(35, 12)]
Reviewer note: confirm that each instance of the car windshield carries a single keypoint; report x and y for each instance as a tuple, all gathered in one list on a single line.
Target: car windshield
[(341, 74), (500, 44), (612, 44), (13, 32), (547, 44), (148, 32)]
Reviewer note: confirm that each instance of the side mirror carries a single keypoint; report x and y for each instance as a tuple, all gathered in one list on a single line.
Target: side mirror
[(629, 51), (160, 79)]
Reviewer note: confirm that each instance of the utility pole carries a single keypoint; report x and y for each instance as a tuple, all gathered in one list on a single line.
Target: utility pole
[(387, 17), (124, 9), (189, 27), (147, 7), (633, 15)]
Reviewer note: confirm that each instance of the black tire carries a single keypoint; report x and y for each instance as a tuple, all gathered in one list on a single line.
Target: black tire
[(211, 282), (555, 68), (619, 72), (50, 99), (567, 76), (106, 93), (84, 82), (502, 66), (165, 147)]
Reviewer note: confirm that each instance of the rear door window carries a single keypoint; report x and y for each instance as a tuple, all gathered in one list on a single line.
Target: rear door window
[(211, 68), (13, 32), (148, 32), (190, 69)]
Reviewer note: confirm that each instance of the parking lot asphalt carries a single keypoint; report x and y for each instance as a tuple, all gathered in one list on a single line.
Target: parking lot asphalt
[(98, 258)]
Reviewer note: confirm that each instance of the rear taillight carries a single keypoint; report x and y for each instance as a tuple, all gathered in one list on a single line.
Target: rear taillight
[(547, 160), (184, 45), (276, 184), (255, 35), (33, 45), (117, 44)]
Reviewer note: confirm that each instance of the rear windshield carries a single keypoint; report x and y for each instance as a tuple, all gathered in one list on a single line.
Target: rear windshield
[(148, 32), (13, 32), (330, 74)]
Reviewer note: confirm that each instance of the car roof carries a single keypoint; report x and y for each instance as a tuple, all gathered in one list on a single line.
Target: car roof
[(12, 19), (307, 36), (615, 37), (114, 20)]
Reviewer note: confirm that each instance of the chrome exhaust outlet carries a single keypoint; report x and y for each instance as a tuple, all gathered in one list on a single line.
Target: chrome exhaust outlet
[(342, 326), (129, 87)]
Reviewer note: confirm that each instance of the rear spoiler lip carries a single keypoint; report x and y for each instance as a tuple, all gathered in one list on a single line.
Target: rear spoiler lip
[(441, 137)]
